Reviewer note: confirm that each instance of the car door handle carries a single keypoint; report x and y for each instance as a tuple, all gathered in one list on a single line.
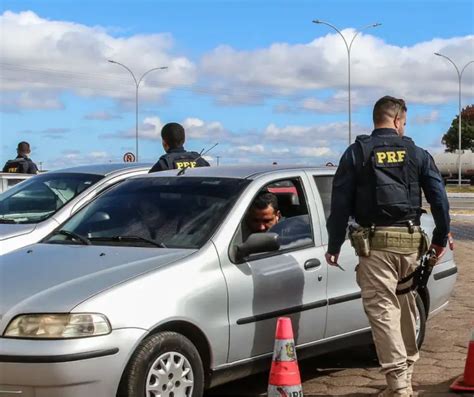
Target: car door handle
[(312, 264)]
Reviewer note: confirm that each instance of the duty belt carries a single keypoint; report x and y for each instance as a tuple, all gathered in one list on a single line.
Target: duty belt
[(397, 239)]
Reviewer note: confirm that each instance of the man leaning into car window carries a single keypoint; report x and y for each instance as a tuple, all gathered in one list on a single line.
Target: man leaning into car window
[(263, 213)]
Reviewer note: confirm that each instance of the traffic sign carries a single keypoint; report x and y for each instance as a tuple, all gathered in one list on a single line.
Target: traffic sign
[(129, 157)]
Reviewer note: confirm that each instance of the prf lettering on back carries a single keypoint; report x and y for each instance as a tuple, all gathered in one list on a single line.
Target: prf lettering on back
[(392, 156), (186, 164)]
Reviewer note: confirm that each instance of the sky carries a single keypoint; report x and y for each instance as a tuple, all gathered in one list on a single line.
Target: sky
[(255, 76)]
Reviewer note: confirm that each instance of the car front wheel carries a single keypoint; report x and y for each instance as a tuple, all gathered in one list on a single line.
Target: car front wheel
[(166, 364)]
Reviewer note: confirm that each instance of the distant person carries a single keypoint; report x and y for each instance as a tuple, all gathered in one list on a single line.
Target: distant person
[(22, 164), (176, 157)]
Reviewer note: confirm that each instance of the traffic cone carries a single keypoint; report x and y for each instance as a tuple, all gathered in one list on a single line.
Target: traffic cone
[(285, 378), (466, 382)]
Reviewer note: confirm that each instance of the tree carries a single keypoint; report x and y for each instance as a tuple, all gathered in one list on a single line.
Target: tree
[(451, 138)]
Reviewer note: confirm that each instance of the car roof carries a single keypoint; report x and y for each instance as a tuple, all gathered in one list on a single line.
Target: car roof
[(104, 169), (247, 171)]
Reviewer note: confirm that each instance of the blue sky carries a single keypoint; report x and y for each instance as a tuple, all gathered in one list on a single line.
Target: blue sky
[(256, 76)]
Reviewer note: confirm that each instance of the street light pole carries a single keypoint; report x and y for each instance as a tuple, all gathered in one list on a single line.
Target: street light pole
[(348, 48), (459, 121), (137, 84)]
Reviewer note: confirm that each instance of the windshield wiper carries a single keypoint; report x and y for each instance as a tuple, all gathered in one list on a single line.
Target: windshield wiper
[(6, 220), (74, 236), (129, 238)]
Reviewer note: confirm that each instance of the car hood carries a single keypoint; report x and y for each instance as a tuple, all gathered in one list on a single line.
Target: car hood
[(55, 278), (13, 230)]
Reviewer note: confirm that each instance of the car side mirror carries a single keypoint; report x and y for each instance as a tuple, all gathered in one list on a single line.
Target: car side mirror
[(257, 243)]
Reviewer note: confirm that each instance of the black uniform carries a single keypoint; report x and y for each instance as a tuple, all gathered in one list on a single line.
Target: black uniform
[(379, 182), (21, 165), (179, 158)]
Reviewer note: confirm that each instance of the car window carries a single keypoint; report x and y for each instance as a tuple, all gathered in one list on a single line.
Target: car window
[(13, 181), (172, 212), (41, 196), (324, 185), (293, 225)]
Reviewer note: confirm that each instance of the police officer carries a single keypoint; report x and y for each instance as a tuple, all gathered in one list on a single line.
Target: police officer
[(22, 164), (173, 137), (378, 182)]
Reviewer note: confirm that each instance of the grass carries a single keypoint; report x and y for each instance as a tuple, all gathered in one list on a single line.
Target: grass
[(459, 189)]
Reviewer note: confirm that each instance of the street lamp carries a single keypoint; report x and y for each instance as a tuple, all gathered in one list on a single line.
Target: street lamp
[(348, 48), (459, 121), (137, 84)]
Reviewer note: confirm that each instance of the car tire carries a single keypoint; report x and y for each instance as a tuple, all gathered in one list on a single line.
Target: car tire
[(420, 320), (151, 368)]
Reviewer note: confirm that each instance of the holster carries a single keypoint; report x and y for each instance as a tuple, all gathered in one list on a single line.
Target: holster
[(360, 240)]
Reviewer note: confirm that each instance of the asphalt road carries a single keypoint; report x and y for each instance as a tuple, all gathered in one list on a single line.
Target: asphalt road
[(457, 204), (461, 203)]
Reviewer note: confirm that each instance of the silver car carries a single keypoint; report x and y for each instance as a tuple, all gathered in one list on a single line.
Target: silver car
[(32, 209), (157, 287)]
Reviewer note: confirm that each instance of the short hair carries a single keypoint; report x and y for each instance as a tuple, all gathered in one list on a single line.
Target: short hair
[(23, 147), (387, 108), (173, 134), (264, 199)]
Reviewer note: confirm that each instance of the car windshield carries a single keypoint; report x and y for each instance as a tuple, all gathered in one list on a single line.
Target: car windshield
[(39, 197), (166, 212)]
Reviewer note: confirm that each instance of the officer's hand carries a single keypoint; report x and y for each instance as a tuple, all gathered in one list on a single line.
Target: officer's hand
[(450, 241), (331, 259), (440, 251)]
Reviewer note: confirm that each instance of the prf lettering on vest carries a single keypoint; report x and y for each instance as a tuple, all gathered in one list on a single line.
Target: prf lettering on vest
[(391, 156), (186, 164)]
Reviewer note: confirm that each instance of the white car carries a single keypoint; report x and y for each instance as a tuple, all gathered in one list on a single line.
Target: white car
[(8, 180), (31, 210)]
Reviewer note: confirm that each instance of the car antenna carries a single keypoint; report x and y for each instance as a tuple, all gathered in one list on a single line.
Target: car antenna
[(183, 170)]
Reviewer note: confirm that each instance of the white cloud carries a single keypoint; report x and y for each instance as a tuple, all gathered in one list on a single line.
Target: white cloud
[(195, 128), (255, 149), (377, 68), (314, 151), (31, 44), (71, 158), (428, 118), (101, 115), (315, 134)]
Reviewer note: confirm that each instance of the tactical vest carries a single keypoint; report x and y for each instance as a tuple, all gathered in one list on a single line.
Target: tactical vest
[(17, 166), (184, 160), (388, 190)]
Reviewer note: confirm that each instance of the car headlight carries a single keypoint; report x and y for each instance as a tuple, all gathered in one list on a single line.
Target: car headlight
[(58, 326)]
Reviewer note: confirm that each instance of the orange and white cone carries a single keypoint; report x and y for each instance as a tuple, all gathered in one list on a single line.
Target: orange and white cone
[(466, 382), (285, 380)]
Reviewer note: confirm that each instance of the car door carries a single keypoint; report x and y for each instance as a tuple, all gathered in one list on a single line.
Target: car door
[(288, 282), (345, 311)]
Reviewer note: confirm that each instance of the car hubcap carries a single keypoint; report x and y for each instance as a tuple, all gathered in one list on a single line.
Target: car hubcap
[(170, 375)]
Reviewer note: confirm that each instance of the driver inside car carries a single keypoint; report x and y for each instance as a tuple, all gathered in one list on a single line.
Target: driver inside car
[(263, 213)]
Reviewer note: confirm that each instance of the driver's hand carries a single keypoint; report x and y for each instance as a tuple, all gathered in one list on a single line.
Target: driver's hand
[(331, 259)]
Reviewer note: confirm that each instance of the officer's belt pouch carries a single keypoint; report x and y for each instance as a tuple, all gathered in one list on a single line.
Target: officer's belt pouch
[(360, 241), (401, 241)]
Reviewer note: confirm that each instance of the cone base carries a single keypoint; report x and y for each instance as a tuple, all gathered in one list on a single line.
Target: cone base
[(458, 385)]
